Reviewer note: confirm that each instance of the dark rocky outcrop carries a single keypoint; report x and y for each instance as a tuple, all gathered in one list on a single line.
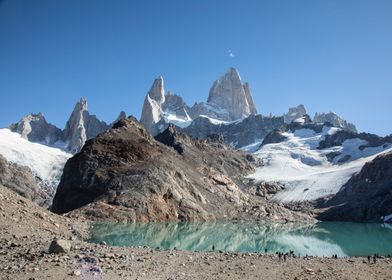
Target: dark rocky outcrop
[(276, 136), (20, 180), (366, 197), (339, 137), (126, 173), (238, 134)]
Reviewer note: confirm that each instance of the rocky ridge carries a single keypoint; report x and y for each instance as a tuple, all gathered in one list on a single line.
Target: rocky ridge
[(335, 120), (80, 127), (126, 174), (229, 100)]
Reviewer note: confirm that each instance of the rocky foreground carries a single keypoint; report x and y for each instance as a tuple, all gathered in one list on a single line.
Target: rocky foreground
[(27, 230)]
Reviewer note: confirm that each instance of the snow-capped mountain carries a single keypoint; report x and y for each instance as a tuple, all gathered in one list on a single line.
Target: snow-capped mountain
[(311, 159), (229, 100), (303, 159), (80, 127), (230, 111), (43, 148)]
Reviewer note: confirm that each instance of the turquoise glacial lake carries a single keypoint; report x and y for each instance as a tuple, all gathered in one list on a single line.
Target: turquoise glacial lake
[(320, 239)]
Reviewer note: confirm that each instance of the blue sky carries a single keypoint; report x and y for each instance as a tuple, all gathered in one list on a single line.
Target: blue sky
[(333, 55)]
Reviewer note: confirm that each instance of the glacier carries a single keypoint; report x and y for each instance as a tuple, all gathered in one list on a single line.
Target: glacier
[(304, 170)]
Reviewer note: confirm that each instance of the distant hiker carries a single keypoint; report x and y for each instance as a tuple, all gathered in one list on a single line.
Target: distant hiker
[(213, 247), (285, 257), (266, 251), (369, 259), (374, 258)]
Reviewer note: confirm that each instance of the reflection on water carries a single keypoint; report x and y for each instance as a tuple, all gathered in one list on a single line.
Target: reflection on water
[(321, 239)]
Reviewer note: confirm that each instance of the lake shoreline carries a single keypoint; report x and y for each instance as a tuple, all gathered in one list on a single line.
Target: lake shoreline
[(27, 230)]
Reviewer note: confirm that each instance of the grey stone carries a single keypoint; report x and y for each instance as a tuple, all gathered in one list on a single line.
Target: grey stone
[(22, 181), (59, 246)]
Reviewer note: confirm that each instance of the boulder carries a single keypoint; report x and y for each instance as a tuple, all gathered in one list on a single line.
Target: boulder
[(59, 246)]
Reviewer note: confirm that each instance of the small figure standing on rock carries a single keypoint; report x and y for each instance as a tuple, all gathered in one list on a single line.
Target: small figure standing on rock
[(213, 247), (375, 258), (369, 259)]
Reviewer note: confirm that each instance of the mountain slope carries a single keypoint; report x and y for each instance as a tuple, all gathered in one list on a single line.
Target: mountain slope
[(128, 168), (45, 163), (366, 197), (126, 174), (308, 172)]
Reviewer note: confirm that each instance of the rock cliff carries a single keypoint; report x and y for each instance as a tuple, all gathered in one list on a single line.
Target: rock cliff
[(229, 94), (366, 197), (81, 126), (20, 179)]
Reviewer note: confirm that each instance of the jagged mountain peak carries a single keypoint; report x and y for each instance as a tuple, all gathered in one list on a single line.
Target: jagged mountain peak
[(157, 91), (35, 128), (335, 120), (229, 94), (229, 99), (81, 126), (294, 113)]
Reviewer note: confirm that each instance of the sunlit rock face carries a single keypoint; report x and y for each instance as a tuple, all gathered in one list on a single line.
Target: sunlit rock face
[(229, 94), (294, 113), (152, 108), (229, 99), (81, 126), (35, 128)]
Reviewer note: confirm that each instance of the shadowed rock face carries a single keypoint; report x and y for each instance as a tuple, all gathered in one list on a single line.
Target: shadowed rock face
[(238, 134), (366, 197), (125, 173), (22, 181)]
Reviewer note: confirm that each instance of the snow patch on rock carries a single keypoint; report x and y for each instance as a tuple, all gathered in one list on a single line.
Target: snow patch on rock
[(305, 171), (45, 162)]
